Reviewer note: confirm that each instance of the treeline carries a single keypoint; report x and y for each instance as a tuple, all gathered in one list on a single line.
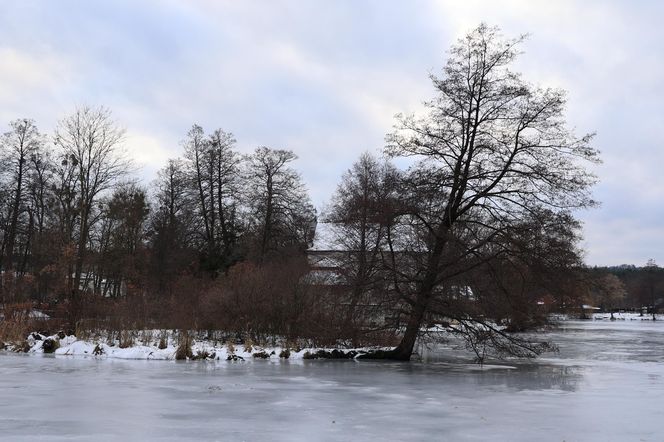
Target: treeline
[(77, 231), (218, 242), (477, 234), (633, 287)]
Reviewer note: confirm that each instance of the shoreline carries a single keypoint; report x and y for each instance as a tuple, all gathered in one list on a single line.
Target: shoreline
[(201, 350), (163, 345)]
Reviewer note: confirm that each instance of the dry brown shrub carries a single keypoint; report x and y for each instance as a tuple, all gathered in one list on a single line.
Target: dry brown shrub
[(16, 322), (163, 341), (126, 339), (184, 346)]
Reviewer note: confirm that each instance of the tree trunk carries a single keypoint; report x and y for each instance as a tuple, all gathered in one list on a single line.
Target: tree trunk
[(212, 240), (28, 244), (80, 252), (16, 206), (404, 350), (267, 228)]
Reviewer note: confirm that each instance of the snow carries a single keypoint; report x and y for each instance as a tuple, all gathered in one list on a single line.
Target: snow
[(605, 384), (324, 238), (71, 346)]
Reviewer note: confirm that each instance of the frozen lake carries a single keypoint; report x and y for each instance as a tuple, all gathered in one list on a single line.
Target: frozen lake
[(606, 384)]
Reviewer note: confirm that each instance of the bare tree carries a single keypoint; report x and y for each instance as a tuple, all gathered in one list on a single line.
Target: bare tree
[(609, 291), (651, 271), (90, 141), (20, 146), (121, 235), (530, 262), (213, 170), (65, 215), (40, 187), (356, 218), (173, 226), (491, 149), (225, 174), (281, 214)]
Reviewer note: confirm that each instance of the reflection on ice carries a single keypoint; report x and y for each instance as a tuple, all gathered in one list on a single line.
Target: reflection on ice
[(606, 383)]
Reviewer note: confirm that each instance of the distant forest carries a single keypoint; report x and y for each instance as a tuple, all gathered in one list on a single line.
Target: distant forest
[(641, 286)]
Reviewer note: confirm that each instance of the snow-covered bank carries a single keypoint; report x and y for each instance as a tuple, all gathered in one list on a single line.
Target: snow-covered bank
[(61, 345), (163, 345), (627, 316)]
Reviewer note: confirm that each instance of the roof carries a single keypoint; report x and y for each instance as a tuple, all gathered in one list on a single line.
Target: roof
[(324, 238)]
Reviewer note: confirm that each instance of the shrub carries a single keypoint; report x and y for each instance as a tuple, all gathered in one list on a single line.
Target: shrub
[(126, 339), (16, 323), (163, 341), (146, 337)]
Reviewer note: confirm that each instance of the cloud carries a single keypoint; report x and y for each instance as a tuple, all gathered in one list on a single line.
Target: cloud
[(325, 79), (29, 79)]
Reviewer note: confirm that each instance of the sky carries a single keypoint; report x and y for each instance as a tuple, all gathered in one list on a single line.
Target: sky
[(325, 79)]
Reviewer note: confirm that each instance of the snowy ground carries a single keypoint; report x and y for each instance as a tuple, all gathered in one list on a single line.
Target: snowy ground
[(605, 384), (149, 348)]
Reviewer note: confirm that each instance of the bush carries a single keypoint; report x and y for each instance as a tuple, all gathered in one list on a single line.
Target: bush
[(126, 339)]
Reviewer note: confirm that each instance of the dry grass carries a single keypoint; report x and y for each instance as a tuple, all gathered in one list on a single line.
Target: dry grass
[(163, 341), (16, 324), (126, 339), (184, 346), (147, 336)]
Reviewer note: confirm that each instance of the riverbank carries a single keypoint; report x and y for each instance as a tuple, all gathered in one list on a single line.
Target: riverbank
[(167, 345), (171, 345)]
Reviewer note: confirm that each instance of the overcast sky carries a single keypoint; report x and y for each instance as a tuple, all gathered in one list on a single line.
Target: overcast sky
[(325, 78)]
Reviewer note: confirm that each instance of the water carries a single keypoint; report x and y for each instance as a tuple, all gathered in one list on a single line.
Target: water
[(606, 384)]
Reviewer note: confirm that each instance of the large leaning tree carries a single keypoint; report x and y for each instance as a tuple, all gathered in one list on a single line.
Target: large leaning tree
[(495, 170)]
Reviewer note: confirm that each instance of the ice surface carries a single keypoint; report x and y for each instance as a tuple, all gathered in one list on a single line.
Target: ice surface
[(606, 384)]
